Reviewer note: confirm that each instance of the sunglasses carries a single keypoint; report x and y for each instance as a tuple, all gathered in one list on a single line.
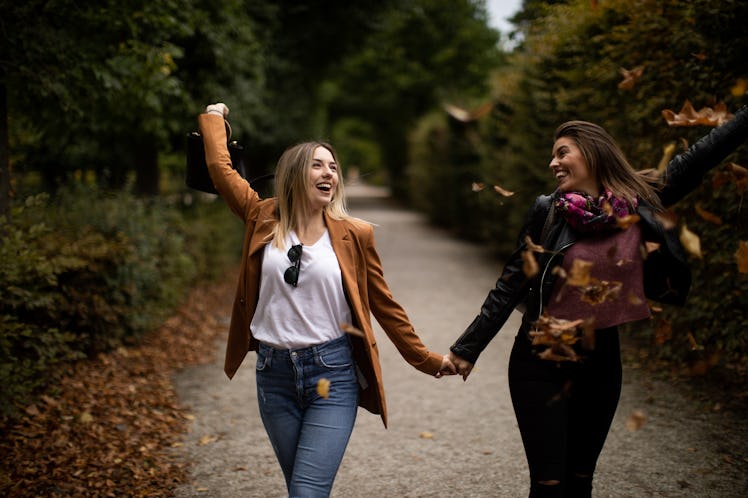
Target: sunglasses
[(291, 276)]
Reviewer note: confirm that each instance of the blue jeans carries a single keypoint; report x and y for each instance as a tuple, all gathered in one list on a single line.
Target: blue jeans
[(309, 433)]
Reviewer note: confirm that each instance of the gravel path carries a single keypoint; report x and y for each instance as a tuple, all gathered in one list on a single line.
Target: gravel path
[(449, 438)]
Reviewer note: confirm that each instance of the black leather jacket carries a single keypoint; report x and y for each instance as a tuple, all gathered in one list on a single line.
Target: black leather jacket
[(667, 277)]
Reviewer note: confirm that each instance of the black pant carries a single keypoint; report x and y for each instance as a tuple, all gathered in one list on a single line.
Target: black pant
[(564, 409)]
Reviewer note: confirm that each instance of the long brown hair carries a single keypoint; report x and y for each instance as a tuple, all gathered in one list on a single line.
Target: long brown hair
[(609, 165), (292, 189)]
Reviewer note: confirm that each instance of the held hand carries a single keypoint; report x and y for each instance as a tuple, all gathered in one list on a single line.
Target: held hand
[(220, 108), (447, 368), (463, 366)]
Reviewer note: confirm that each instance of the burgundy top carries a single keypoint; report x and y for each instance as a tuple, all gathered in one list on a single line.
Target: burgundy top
[(614, 293)]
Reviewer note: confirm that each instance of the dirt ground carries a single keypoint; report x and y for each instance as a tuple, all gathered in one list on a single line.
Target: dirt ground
[(448, 437)]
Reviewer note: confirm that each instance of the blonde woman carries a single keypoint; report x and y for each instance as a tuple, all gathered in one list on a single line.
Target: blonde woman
[(307, 267)]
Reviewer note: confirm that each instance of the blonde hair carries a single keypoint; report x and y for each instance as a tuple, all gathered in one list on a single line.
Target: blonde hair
[(293, 189), (607, 162)]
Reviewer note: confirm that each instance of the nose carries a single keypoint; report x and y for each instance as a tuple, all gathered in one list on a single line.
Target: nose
[(553, 162)]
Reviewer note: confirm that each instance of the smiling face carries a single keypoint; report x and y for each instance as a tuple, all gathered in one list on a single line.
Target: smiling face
[(323, 178), (570, 168)]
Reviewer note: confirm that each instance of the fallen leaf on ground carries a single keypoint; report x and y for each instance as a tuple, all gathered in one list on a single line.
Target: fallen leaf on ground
[(635, 420)]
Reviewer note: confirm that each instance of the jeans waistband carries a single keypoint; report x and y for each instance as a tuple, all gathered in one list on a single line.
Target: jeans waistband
[(342, 341)]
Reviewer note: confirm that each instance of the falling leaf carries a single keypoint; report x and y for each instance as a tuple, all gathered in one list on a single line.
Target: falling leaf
[(503, 191), (426, 435), (323, 388), (701, 57), (350, 329), (668, 219), (706, 215), (630, 77), (691, 242), (466, 116), (739, 175), (579, 274), (477, 187), (667, 154), (741, 256), (532, 246), (529, 264), (740, 88), (695, 346), (664, 332), (624, 222), (688, 116), (558, 335), (635, 420), (599, 292), (634, 300)]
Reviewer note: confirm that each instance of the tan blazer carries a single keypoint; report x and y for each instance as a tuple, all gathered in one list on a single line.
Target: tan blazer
[(363, 281)]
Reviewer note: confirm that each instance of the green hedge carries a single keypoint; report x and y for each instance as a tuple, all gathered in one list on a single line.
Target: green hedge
[(86, 271), (569, 67)]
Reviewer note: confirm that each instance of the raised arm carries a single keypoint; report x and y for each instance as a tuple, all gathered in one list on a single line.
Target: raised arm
[(237, 193)]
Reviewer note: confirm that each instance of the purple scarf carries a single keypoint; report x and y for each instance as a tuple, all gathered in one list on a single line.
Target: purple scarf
[(588, 214)]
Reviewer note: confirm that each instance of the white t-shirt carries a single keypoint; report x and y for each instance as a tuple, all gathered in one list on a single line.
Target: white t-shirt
[(289, 317)]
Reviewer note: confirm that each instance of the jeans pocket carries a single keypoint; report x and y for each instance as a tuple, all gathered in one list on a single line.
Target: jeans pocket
[(263, 360), (335, 359)]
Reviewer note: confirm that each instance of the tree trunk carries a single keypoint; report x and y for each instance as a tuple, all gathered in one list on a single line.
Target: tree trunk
[(4, 150), (146, 167)]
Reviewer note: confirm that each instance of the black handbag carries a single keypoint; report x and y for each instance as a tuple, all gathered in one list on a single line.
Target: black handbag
[(197, 176)]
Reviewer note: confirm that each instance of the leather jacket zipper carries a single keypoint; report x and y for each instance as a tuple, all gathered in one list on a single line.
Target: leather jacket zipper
[(542, 278)]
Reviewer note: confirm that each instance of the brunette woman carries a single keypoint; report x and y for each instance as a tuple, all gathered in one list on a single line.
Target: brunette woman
[(564, 408)]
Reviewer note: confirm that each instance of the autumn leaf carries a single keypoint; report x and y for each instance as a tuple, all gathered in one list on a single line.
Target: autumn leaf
[(579, 274), (664, 332), (477, 187), (532, 246), (668, 219), (635, 420), (426, 435), (667, 154), (691, 242), (207, 439), (529, 264), (599, 292), (503, 191), (706, 215), (739, 175), (740, 88), (741, 256), (466, 116), (630, 77), (688, 116), (695, 346), (323, 388), (558, 335), (624, 222)]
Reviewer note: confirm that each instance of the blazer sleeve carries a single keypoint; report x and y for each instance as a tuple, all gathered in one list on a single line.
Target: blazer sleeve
[(391, 316), (686, 171), (234, 189)]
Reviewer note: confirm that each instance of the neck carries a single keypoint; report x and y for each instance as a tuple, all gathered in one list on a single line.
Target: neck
[(310, 228)]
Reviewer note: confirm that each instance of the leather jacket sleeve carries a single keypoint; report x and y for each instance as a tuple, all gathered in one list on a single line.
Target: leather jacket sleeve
[(510, 290), (686, 171)]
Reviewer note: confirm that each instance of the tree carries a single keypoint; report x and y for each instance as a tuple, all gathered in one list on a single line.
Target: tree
[(424, 53)]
